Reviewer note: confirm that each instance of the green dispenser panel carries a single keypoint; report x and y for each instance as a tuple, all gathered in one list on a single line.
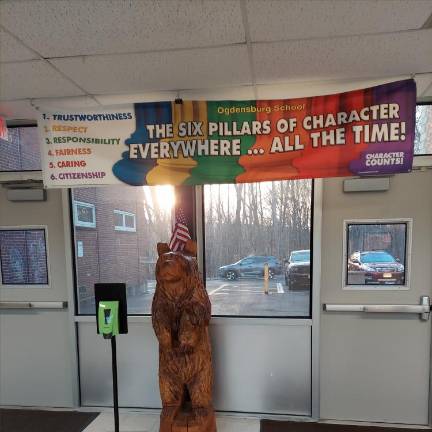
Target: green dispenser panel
[(108, 318)]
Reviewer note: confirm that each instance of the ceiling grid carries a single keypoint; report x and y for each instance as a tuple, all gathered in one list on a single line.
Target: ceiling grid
[(245, 22), (92, 52)]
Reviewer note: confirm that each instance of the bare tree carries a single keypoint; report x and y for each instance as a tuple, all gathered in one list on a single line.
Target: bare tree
[(270, 218)]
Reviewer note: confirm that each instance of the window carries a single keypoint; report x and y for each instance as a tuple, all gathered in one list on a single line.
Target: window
[(248, 227), (84, 214), (104, 254), (124, 221), (21, 151), (23, 256), (376, 255), (423, 130)]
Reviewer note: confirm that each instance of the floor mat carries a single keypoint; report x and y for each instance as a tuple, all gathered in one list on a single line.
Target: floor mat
[(287, 426), (18, 420)]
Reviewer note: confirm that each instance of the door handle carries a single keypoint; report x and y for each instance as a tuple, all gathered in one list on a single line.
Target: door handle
[(33, 305), (423, 309)]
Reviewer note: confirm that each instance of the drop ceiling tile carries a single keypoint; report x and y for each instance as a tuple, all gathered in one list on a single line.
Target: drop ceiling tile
[(427, 93), (298, 89), (13, 50), (60, 103), (21, 109), (120, 99), (221, 93), (342, 58), (228, 93), (275, 20), (33, 79), (186, 69), (81, 27), (423, 82)]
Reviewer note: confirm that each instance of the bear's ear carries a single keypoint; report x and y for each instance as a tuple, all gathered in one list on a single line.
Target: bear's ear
[(163, 248), (190, 248)]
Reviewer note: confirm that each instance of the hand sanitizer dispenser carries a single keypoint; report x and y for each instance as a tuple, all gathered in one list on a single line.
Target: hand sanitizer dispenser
[(111, 320), (108, 318)]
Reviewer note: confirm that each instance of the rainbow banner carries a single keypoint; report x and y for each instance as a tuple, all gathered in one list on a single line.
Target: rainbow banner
[(363, 132)]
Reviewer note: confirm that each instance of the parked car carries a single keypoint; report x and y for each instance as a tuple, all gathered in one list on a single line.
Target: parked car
[(297, 270), (251, 266), (379, 267)]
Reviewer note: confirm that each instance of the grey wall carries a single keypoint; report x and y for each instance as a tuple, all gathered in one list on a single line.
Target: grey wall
[(260, 366), (36, 347)]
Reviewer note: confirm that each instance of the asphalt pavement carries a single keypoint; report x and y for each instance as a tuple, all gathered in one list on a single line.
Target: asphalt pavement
[(242, 297)]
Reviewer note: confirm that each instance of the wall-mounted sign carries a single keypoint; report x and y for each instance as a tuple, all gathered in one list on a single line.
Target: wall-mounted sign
[(362, 132)]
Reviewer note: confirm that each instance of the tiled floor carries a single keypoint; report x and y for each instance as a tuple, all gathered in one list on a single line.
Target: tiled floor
[(140, 422)]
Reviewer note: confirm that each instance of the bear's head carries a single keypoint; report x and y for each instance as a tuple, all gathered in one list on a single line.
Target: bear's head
[(174, 271)]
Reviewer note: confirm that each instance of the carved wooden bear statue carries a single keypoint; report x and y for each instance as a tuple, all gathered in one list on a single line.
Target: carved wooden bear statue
[(181, 313)]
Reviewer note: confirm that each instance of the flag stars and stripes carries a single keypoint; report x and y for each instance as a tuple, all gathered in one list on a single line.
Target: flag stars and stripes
[(180, 233)]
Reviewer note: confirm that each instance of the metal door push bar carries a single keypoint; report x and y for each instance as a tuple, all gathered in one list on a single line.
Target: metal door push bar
[(33, 305), (423, 309)]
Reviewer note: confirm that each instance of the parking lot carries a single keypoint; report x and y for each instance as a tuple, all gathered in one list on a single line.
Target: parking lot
[(245, 297)]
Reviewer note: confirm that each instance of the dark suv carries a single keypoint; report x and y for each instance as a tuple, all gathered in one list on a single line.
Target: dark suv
[(297, 270), (378, 267), (251, 266)]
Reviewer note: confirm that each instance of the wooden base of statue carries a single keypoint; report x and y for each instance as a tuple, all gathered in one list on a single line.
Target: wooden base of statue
[(181, 313), (185, 420)]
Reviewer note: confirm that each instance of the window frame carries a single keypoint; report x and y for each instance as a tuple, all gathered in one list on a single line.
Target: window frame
[(192, 229), (421, 154), (79, 223), (123, 227), (43, 228), (408, 252), (199, 203), (192, 199), (15, 126)]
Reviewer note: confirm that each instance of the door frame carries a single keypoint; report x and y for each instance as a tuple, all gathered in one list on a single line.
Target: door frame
[(316, 221), (316, 294), (70, 285)]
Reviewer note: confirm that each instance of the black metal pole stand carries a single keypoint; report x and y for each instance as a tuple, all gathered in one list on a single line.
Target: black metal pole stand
[(115, 387)]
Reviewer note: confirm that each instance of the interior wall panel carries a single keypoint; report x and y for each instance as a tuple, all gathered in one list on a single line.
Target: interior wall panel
[(258, 367)]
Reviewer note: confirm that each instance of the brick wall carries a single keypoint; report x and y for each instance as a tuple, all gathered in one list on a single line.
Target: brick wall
[(36, 257), (30, 148), (428, 138), (117, 256), (23, 256), (21, 151), (10, 157)]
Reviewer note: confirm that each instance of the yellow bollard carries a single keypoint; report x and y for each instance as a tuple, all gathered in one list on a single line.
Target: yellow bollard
[(266, 278)]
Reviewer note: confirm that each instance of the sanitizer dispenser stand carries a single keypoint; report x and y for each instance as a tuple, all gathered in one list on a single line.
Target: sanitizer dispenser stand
[(111, 316)]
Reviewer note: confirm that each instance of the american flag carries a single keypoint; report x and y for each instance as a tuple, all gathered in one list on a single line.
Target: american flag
[(180, 233)]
